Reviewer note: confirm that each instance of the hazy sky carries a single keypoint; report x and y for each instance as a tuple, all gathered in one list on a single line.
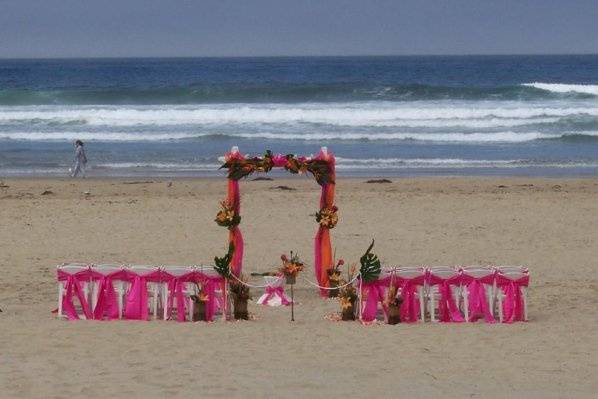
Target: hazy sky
[(80, 28)]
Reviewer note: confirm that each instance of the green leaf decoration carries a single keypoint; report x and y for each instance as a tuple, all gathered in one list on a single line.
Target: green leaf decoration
[(222, 264), (370, 265), (321, 171)]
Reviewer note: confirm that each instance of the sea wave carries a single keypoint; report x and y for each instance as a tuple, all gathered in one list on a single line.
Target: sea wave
[(159, 165), (454, 137), (337, 114), (565, 88), (394, 163), (289, 93)]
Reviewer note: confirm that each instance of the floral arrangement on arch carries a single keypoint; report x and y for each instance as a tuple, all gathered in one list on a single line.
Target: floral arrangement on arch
[(327, 217), (240, 168), (227, 217)]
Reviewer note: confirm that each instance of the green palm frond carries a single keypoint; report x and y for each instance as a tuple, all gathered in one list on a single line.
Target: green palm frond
[(222, 265), (370, 265)]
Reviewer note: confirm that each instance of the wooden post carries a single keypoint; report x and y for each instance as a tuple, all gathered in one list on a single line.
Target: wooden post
[(292, 304)]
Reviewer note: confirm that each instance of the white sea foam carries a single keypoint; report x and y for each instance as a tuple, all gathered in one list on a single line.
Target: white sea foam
[(353, 115), (565, 88), (160, 165), (456, 137), (94, 136), (386, 162)]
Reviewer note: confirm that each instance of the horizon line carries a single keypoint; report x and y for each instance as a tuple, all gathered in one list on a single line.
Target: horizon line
[(297, 56)]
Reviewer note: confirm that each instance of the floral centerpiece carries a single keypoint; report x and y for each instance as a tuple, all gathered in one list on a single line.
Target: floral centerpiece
[(393, 302), (199, 305), (241, 295), (239, 290), (291, 267), (369, 271), (347, 296), (334, 277)]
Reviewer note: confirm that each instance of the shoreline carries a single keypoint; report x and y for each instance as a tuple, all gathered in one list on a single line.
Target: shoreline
[(281, 175)]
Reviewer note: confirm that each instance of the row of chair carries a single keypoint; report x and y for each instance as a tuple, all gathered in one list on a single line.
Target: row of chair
[(158, 290), (497, 281), (428, 284)]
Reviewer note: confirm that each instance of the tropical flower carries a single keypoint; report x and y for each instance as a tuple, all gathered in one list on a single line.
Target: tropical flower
[(227, 217), (327, 217)]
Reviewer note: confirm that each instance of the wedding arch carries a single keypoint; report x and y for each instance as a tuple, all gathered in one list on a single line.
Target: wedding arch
[(322, 167)]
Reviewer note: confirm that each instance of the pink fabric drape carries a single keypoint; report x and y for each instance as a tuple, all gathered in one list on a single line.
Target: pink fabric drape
[(235, 236), (512, 305), (275, 291), (107, 303), (136, 299), (176, 288), (73, 287), (279, 160), (136, 306), (447, 307), (476, 297), (323, 257), (374, 291), (410, 309)]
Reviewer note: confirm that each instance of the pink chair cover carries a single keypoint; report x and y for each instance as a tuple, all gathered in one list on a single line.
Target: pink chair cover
[(513, 303), (136, 298), (476, 297), (73, 286), (107, 303), (410, 307), (135, 307), (375, 292), (176, 288), (447, 308)]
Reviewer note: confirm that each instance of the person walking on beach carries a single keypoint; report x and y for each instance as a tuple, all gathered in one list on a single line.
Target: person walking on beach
[(80, 160)]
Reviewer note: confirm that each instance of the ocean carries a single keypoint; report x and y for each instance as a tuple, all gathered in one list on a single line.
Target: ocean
[(459, 115)]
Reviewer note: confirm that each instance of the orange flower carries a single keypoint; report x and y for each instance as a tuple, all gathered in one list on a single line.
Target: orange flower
[(327, 217), (346, 303), (227, 217), (203, 296), (290, 267)]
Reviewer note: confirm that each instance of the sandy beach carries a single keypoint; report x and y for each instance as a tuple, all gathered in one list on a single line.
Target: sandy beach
[(549, 225)]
